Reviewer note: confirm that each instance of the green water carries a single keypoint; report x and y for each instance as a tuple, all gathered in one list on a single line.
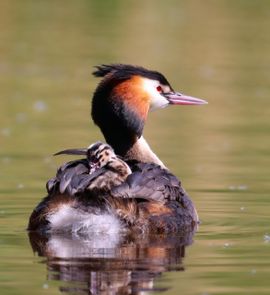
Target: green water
[(216, 50)]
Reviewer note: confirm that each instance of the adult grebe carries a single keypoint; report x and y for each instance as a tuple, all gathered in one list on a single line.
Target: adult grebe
[(87, 195)]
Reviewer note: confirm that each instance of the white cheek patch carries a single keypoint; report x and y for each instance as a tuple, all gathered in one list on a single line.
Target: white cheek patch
[(157, 101)]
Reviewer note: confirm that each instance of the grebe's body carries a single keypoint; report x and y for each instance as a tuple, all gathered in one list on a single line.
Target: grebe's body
[(107, 193)]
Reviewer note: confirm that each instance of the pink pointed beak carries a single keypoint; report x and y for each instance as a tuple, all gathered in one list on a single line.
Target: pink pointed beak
[(182, 99)]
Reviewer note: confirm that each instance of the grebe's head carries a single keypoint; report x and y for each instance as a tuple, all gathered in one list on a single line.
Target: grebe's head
[(124, 97)]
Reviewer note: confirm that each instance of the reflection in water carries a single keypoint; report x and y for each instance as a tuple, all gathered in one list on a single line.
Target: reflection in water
[(100, 264)]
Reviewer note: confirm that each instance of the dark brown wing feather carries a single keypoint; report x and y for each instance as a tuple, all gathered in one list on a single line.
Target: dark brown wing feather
[(73, 178), (68, 177), (149, 182)]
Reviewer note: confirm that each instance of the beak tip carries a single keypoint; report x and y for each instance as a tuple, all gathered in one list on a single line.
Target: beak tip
[(204, 101), (181, 99)]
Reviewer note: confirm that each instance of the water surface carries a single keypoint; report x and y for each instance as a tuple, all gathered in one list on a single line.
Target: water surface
[(217, 50)]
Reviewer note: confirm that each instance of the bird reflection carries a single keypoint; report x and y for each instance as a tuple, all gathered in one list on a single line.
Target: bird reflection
[(102, 264)]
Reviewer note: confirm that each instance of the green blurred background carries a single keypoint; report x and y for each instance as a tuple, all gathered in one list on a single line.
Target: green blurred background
[(216, 50)]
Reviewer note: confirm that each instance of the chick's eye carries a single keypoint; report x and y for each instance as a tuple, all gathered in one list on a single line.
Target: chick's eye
[(159, 89)]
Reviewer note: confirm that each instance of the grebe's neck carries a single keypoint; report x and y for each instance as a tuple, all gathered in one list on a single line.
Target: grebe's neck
[(142, 152)]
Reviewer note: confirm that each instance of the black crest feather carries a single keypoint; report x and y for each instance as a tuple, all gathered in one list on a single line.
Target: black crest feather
[(123, 71)]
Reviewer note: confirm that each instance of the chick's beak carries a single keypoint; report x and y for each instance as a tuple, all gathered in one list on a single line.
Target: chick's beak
[(182, 99), (79, 151)]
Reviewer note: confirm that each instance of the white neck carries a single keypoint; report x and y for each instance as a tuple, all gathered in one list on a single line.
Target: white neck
[(141, 151)]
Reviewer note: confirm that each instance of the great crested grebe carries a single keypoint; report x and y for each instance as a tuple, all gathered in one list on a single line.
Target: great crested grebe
[(135, 191)]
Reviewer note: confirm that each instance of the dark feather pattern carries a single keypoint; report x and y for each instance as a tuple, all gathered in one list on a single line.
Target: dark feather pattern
[(148, 181)]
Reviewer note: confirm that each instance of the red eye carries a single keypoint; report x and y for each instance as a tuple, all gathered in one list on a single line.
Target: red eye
[(159, 89)]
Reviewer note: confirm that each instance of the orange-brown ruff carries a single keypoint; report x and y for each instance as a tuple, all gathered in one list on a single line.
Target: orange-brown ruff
[(129, 188)]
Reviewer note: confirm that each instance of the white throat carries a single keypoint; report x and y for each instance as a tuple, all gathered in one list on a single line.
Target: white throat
[(141, 151)]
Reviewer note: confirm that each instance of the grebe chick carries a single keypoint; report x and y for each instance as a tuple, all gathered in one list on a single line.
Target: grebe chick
[(104, 171)]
